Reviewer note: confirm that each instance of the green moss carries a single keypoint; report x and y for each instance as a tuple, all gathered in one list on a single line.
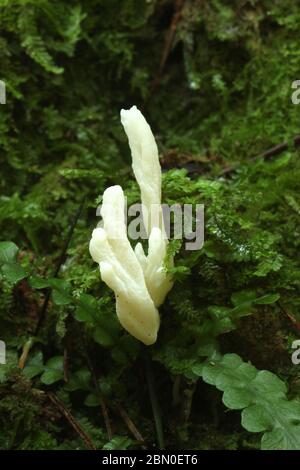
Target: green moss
[(224, 96)]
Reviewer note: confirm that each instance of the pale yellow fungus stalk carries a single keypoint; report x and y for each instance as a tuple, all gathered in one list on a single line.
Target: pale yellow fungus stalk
[(139, 281)]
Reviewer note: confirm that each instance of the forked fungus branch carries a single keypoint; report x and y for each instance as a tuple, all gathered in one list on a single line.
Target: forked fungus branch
[(138, 280)]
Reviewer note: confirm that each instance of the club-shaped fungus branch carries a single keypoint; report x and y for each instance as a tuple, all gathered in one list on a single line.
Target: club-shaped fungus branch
[(139, 281)]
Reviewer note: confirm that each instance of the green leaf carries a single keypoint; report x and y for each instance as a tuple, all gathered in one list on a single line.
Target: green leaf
[(92, 400), (267, 299), (60, 297), (242, 302), (13, 272), (79, 380), (118, 443), (262, 397), (86, 309), (268, 265), (61, 291), (107, 327), (54, 370), (242, 297), (119, 356), (256, 419), (34, 365), (38, 282), (221, 315), (103, 337), (8, 252)]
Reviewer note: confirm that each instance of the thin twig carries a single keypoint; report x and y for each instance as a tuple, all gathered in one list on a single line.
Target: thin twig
[(271, 152), (130, 424), (73, 422), (168, 43), (101, 399), (29, 343), (295, 323), (154, 402), (59, 264), (66, 364), (27, 346)]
